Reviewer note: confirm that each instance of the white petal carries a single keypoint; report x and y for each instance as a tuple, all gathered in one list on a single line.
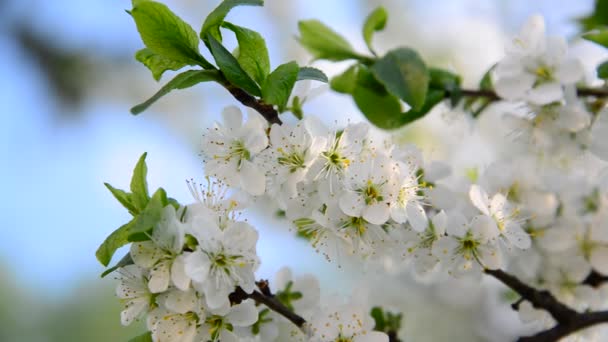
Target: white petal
[(178, 273), (484, 228), (440, 222), (416, 216), (517, 236), (233, 118), (351, 203), (134, 309), (479, 198), (252, 179), (546, 93), (599, 259), (514, 88), (377, 213), (244, 314), (571, 71), (145, 254), (372, 336), (160, 277), (491, 257), (197, 266), (181, 301)]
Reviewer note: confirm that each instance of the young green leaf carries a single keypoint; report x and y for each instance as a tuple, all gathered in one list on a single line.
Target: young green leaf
[(145, 221), (231, 68), (125, 198), (253, 54), (443, 80), (126, 260), (166, 34), (215, 19), (602, 70), (117, 239), (279, 84), (404, 74), (139, 184), (308, 73), (157, 64), (379, 107), (345, 83), (147, 337), (184, 80), (324, 43), (598, 18), (376, 21), (598, 36)]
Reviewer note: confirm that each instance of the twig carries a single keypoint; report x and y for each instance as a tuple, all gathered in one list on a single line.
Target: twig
[(266, 110), (595, 279), (568, 320), (492, 96), (269, 300)]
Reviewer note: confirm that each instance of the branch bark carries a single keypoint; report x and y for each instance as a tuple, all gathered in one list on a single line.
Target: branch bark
[(568, 320), (267, 111), (492, 96)]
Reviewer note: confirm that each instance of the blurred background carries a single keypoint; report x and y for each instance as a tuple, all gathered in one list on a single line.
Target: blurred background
[(68, 79)]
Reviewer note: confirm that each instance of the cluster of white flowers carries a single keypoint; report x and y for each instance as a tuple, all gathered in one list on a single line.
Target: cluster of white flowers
[(540, 212)]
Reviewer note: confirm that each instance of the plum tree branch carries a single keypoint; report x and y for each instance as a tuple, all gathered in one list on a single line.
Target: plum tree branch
[(568, 319), (492, 96)]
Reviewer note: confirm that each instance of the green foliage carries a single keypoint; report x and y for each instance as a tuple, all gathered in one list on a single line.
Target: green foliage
[(157, 64), (598, 18), (147, 337), (404, 75), (126, 260), (214, 20), (379, 107), (184, 80), (142, 226), (376, 21), (308, 73), (386, 321), (345, 82), (602, 70), (124, 198), (231, 68), (279, 84), (324, 43), (117, 239), (139, 184), (253, 54), (598, 36), (165, 34)]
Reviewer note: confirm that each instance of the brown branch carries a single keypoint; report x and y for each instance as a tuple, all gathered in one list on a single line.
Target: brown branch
[(568, 320), (266, 110), (595, 279), (265, 297)]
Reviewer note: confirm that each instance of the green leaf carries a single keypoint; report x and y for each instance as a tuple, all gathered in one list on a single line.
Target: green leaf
[(308, 73), (599, 16), (184, 80), (113, 242), (139, 184), (378, 315), (126, 260), (147, 337), (324, 43), (157, 64), (598, 36), (345, 83), (376, 21), (443, 80), (379, 107), (215, 19), (279, 84), (253, 54), (124, 198), (602, 70), (404, 74), (166, 34), (231, 68), (433, 97), (145, 221)]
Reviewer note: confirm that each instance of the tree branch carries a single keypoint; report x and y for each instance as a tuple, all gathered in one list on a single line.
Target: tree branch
[(266, 110), (595, 279), (265, 297), (492, 96), (568, 320)]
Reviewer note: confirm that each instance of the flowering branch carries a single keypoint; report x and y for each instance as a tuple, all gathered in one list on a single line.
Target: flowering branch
[(266, 110), (568, 320), (265, 297)]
